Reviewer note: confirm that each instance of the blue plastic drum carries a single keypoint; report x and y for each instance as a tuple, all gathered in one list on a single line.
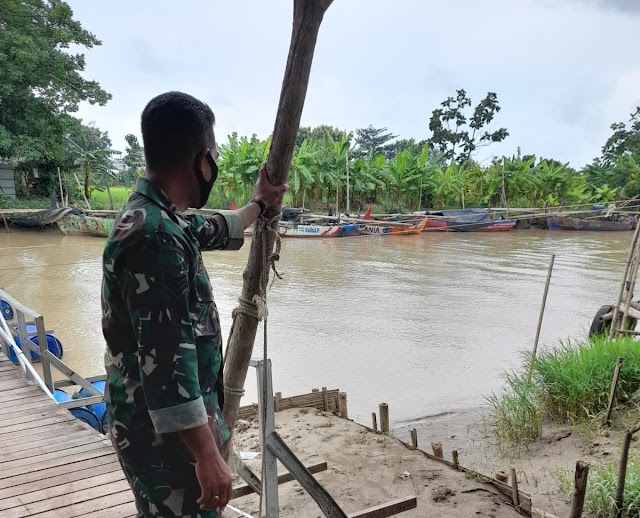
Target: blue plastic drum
[(99, 409), (82, 413), (6, 309), (54, 345)]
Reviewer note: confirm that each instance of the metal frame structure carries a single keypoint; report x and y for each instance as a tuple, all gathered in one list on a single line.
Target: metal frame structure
[(49, 363)]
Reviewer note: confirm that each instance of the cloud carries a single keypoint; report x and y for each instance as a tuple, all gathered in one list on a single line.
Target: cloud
[(627, 6)]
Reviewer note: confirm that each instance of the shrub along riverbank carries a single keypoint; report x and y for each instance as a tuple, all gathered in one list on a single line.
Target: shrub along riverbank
[(570, 384)]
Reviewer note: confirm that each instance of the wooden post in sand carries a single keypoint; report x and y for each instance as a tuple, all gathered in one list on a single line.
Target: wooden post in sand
[(277, 401), (437, 449), (622, 469), (456, 460), (343, 410), (515, 495), (384, 418), (374, 421), (606, 420), (307, 18), (580, 489), (414, 438), (325, 399)]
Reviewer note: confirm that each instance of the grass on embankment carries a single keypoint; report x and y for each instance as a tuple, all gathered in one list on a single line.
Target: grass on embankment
[(570, 383)]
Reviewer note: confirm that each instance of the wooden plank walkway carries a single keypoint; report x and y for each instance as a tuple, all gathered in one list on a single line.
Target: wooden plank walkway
[(51, 464)]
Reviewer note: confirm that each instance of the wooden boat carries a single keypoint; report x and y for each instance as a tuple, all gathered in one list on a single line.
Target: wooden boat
[(573, 223), (318, 231), (80, 225), (370, 229), (469, 220)]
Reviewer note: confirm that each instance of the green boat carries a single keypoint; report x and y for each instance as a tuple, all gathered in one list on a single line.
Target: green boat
[(81, 225)]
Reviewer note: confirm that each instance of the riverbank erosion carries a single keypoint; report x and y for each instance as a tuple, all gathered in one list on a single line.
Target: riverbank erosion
[(549, 415), (366, 469)]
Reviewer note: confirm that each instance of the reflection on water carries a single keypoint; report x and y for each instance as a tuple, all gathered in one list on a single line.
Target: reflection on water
[(426, 323)]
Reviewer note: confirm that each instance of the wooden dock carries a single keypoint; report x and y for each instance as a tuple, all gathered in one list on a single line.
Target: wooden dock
[(51, 464)]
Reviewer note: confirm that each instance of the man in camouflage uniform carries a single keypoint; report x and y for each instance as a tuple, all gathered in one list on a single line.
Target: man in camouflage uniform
[(164, 346)]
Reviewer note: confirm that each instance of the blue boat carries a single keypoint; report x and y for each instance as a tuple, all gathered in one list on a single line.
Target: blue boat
[(6, 309), (53, 344)]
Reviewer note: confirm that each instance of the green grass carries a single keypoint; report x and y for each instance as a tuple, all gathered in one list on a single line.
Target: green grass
[(100, 199), (569, 384), (516, 418), (575, 378), (32, 202), (601, 489)]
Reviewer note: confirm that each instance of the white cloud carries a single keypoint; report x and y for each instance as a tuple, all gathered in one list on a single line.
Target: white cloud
[(560, 68)]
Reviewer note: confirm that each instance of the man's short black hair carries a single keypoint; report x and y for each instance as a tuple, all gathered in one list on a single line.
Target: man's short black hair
[(174, 125)]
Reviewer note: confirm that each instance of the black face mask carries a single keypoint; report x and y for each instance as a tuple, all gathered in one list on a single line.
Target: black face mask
[(205, 187)]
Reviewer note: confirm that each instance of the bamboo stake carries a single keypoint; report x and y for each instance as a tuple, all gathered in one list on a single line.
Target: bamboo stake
[(622, 471), (61, 189), (630, 288), (580, 489), (307, 18), (514, 487), (82, 190), (414, 438), (384, 418), (606, 421), (632, 249), (343, 409), (542, 307), (437, 449)]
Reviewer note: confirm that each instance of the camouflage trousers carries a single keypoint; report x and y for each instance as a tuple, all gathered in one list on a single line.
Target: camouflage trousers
[(165, 492)]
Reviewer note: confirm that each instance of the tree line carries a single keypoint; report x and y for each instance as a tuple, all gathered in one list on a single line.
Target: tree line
[(42, 86)]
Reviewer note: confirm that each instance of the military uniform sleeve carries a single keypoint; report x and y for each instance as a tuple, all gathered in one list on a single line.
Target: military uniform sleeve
[(154, 282), (221, 231)]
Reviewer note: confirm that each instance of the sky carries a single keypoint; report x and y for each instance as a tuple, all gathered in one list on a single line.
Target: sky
[(563, 70)]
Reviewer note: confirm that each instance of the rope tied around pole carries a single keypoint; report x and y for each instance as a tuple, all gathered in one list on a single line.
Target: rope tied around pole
[(257, 307)]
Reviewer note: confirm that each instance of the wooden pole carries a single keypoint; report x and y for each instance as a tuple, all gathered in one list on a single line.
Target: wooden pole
[(542, 307), (343, 410), (622, 470), (630, 287), (606, 420), (374, 421), (437, 449), (515, 495), (307, 18), (632, 249), (456, 460), (414, 438), (61, 189), (277, 400), (384, 417), (86, 200), (325, 399), (580, 489)]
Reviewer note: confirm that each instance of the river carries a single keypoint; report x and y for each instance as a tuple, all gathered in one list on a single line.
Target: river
[(425, 323)]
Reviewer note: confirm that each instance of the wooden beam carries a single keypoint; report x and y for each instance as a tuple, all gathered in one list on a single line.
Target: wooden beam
[(389, 509), (246, 489), (325, 501)]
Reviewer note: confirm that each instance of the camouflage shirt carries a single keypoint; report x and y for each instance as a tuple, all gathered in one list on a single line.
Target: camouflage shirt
[(161, 326)]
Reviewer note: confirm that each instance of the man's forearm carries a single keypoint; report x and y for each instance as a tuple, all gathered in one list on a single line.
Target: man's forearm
[(200, 442), (249, 213)]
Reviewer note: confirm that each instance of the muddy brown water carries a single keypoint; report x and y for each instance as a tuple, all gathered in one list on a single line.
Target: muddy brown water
[(425, 323)]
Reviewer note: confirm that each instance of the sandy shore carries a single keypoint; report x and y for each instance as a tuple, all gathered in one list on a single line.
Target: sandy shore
[(365, 469)]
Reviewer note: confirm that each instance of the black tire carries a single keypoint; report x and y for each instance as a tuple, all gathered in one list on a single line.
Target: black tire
[(599, 326)]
